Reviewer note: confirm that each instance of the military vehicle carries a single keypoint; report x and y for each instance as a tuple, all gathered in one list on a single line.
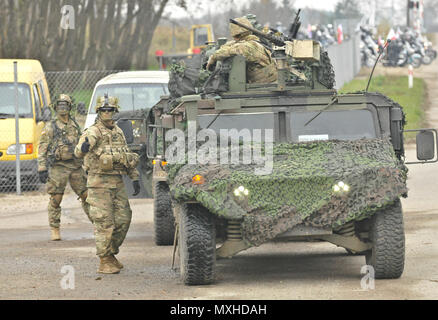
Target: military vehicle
[(335, 168)]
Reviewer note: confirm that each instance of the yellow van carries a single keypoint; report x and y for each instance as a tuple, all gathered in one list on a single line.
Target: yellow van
[(33, 96)]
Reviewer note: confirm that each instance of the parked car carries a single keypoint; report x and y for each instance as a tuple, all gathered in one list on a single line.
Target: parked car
[(136, 90)]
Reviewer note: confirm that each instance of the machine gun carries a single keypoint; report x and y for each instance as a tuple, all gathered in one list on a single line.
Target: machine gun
[(295, 26), (282, 48), (271, 38)]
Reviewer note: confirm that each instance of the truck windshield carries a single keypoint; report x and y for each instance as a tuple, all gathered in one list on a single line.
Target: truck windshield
[(132, 96), (242, 123), (7, 100), (330, 125), (237, 121)]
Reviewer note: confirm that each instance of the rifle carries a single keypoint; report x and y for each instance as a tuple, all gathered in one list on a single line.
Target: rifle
[(295, 26), (271, 38)]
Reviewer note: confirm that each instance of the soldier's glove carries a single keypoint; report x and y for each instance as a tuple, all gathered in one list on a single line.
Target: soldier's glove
[(136, 186), (43, 175), (85, 146)]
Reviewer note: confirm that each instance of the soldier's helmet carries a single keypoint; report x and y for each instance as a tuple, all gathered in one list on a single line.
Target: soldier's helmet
[(106, 101), (64, 98), (238, 31)]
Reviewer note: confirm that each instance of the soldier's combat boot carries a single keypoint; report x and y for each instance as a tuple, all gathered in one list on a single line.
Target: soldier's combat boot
[(116, 262), (55, 234), (107, 266)]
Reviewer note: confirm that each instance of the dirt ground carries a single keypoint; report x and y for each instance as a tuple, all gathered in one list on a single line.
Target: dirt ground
[(32, 267)]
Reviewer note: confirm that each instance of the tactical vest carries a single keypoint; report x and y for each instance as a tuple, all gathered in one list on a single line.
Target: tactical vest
[(111, 154), (65, 140)]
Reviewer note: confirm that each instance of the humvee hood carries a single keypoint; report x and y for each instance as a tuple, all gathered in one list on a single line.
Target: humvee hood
[(322, 184)]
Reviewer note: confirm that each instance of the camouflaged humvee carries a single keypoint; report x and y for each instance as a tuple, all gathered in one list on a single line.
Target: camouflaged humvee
[(336, 167)]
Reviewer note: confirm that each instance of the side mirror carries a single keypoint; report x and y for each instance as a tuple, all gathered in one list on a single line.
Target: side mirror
[(126, 126), (425, 145), (46, 114), (80, 108)]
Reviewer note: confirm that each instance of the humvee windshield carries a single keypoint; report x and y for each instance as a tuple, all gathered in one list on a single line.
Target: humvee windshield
[(328, 125)]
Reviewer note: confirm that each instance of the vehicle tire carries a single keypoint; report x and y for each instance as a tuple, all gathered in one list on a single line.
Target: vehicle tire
[(416, 62), (426, 60), (197, 245), (431, 53), (387, 255), (164, 221)]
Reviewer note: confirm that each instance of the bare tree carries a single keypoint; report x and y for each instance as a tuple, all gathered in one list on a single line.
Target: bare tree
[(107, 34)]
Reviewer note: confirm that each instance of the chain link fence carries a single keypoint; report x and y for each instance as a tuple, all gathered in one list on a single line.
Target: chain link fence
[(25, 105)]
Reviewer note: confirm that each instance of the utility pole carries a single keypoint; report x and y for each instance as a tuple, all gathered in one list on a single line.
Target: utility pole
[(408, 22)]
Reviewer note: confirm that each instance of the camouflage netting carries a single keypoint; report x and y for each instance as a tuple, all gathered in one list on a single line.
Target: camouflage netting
[(300, 188)]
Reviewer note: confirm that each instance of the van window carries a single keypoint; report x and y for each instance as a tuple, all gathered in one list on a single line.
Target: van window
[(7, 101), (132, 96), (43, 95), (37, 100)]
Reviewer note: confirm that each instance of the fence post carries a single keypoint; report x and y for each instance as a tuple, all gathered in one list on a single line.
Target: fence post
[(17, 133), (410, 76)]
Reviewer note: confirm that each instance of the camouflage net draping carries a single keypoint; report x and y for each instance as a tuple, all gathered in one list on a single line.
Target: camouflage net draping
[(300, 189)]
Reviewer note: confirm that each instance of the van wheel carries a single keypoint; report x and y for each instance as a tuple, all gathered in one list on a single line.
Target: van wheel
[(164, 221), (387, 254), (197, 245)]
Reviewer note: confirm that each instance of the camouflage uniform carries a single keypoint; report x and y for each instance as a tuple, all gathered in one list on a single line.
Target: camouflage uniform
[(106, 161), (57, 143), (261, 67)]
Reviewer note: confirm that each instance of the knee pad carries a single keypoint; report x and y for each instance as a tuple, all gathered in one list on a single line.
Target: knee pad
[(55, 200)]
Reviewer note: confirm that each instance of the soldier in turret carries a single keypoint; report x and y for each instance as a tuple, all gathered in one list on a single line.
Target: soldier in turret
[(57, 163), (261, 67)]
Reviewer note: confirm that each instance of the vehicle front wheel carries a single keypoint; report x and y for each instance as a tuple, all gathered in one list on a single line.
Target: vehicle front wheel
[(416, 62), (197, 245), (387, 254), (426, 60), (164, 221)]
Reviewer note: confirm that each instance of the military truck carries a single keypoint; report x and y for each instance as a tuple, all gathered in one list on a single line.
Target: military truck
[(329, 166)]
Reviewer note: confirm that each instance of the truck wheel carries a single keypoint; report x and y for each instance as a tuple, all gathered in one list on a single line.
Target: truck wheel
[(197, 245), (387, 255), (164, 221)]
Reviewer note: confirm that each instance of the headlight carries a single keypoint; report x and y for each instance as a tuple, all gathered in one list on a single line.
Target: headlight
[(25, 148), (241, 191), (341, 186), (136, 132)]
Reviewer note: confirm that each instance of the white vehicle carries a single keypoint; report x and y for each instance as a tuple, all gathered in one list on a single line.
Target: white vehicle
[(135, 90)]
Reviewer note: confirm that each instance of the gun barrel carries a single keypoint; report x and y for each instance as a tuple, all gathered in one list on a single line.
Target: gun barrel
[(258, 33)]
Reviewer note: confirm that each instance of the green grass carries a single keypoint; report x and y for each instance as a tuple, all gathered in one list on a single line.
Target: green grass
[(412, 100)]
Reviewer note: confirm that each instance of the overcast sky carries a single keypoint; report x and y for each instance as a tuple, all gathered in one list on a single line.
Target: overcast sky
[(215, 6), (317, 4)]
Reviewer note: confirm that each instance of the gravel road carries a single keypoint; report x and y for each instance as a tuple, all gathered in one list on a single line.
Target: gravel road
[(32, 267)]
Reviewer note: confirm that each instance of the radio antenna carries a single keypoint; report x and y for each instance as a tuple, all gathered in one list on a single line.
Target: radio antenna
[(375, 63)]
